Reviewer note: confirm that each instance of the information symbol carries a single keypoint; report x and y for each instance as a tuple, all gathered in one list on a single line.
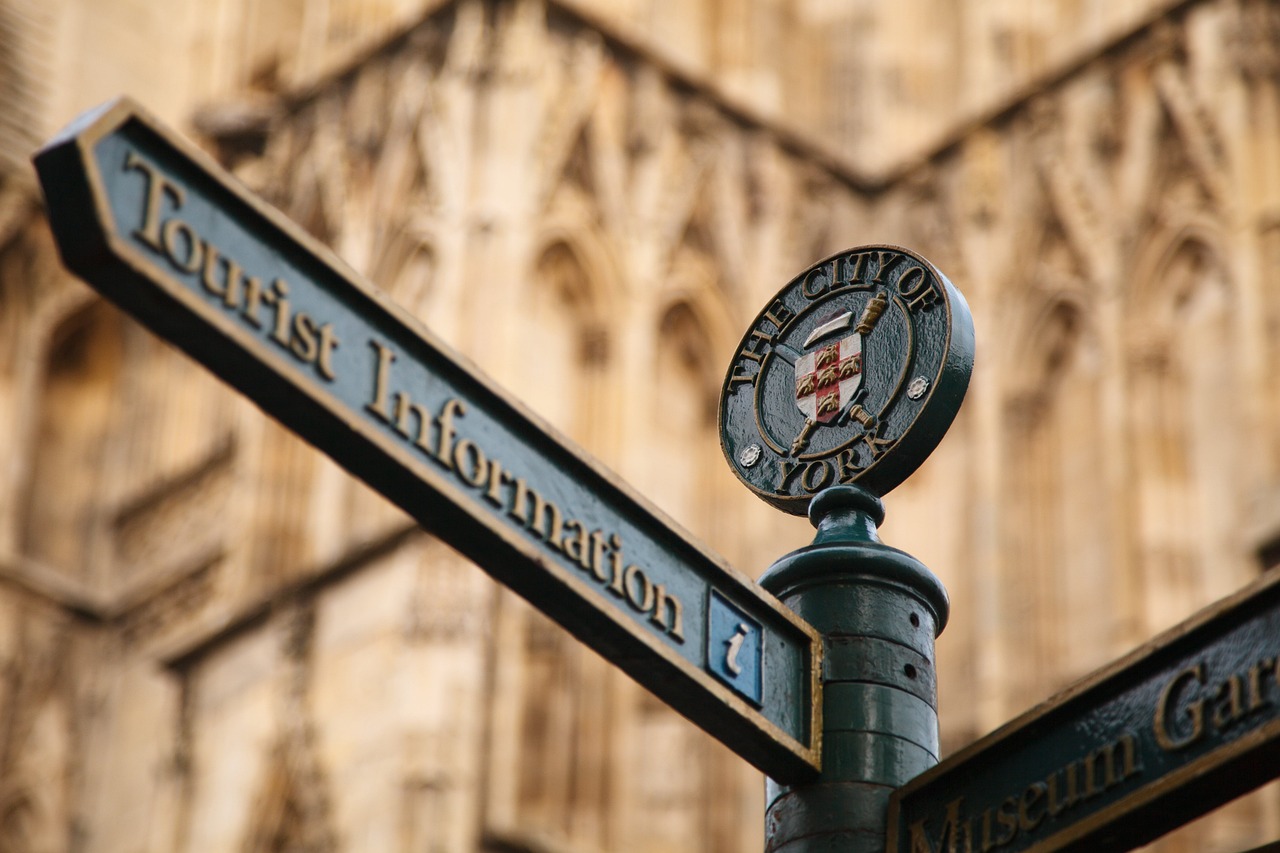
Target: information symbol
[(735, 643)]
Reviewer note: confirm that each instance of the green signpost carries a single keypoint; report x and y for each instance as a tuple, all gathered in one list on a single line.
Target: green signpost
[(842, 386), (1174, 730), (160, 229)]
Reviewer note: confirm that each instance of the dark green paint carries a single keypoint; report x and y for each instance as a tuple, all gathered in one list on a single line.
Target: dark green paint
[(922, 333), (100, 178), (1170, 783), (878, 610)]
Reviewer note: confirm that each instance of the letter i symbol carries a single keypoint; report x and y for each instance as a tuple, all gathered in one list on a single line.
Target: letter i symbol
[(735, 645)]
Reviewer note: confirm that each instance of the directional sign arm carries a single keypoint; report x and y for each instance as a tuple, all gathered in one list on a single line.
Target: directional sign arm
[(159, 228), (1173, 730)]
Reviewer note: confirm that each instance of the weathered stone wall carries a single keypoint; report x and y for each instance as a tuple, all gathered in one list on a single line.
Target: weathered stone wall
[(213, 639)]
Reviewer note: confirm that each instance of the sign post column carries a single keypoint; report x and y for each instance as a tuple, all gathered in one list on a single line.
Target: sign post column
[(878, 610), (841, 388)]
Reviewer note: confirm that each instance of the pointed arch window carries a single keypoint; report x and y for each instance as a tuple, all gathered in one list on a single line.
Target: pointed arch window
[(1056, 529), (684, 416), (565, 339), (79, 389), (1184, 406)]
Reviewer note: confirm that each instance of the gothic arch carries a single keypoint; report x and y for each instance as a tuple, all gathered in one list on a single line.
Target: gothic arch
[(1045, 340), (406, 265), (1055, 529), (567, 332), (685, 369), (697, 286), (692, 336), (77, 401), (291, 809), (1184, 378)]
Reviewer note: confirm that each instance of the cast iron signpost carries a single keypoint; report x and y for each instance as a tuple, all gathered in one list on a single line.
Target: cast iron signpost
[(1177, 728), (842, 386), (160, 229)]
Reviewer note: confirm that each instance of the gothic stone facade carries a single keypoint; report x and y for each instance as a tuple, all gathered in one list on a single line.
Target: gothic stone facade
[(214, 640)]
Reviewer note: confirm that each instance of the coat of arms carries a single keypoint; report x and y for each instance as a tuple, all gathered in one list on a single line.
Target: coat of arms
[(848, 376), (827, 378)]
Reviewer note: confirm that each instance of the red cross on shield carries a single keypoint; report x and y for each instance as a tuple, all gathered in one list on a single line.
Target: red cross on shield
[(828, 377)]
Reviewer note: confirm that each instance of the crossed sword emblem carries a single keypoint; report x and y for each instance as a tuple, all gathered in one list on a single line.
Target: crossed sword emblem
[(870, 316)]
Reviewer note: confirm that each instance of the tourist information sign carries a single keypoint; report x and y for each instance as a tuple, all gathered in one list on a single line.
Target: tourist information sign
[(158, 227), (1162, 736)]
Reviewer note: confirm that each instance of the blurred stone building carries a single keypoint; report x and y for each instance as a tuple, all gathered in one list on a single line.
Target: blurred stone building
[(212, 639)]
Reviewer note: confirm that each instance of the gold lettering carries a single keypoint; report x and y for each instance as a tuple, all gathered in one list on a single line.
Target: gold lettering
[(1007, 817), (497, 478), (919, 295), (279, 296), (158, 186), (1256, 700), (304, 345), (754, 348), (1168, 700), (1107, 756), (444, 451), (470, 462), (1057, 806), (806, 286), (575, 543), (1229, 701), (194, 248), (1131, 768), (380, 380), (405, 410), (779, 314), (615, 566), (229, 290), (789, 471), (841, 272), (849, 468), (597, 556), (328, 343), (739, 378), (885, 261), (1030, 798), (825, 474), (540, 516), (665, 604), (987, 843), (253, 300), (635, 575), (954, 833)]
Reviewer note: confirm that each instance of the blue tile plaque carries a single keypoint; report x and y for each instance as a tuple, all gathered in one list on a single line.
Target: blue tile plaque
[(734, 648)]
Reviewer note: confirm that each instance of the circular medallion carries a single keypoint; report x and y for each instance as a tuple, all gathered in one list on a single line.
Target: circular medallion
[(851, 374)]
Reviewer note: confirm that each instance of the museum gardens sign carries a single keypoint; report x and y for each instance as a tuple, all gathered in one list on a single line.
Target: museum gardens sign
[(821, 674)]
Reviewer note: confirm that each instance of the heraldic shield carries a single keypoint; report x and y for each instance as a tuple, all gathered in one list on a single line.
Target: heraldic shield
[(828, 377)]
